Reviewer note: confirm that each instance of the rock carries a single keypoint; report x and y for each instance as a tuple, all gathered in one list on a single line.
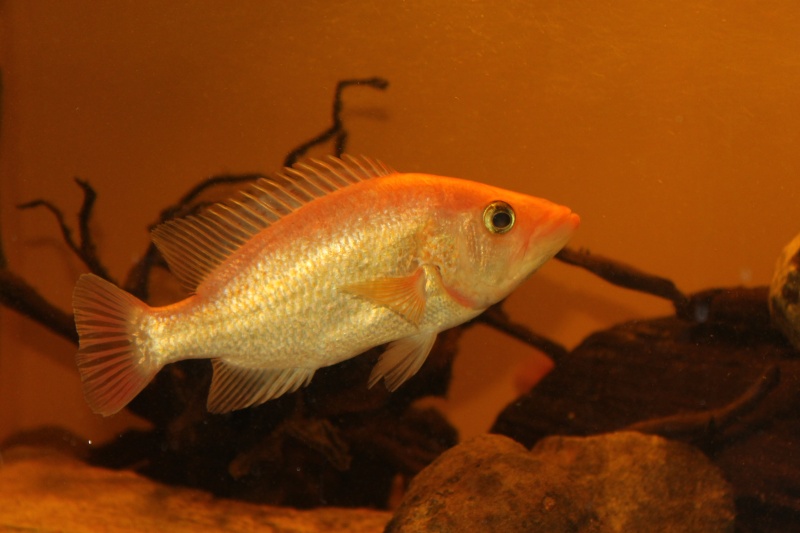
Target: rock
[(784, 292), (47, 491), (706, 359), (608, 483)]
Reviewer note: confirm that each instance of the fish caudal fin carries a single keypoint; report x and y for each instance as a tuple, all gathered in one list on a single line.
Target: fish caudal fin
[(112, 368)]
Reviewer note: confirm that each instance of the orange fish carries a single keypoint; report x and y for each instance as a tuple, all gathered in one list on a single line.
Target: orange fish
[(310, 267)]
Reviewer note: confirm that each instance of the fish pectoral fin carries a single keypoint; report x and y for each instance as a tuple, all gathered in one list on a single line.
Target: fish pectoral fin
[(402, 359), (236, 387), (405, 296)]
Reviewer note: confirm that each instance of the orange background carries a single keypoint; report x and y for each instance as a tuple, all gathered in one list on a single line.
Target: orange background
[(670, 127)]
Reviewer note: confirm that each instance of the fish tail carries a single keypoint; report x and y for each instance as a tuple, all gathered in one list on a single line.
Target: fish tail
[(113, 369)]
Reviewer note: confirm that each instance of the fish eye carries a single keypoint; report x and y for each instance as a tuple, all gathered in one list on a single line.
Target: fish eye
[(498, 217)]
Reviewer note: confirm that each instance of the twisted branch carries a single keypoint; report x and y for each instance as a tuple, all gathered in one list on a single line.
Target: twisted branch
[(623, 275), (86, 250), (17, 294), (497, 318), (711, 423), (336, 128)]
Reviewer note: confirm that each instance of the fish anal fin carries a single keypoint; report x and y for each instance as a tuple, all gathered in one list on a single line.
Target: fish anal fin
[(402, 359), (235, 387), (405, 296), (196, 245)]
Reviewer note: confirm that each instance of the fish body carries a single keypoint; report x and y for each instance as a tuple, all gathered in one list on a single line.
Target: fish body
[(314, 266)]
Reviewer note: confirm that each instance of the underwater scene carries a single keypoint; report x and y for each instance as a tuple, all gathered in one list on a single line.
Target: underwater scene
[(400, 266)]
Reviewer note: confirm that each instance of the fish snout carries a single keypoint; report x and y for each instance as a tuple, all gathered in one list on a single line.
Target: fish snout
[(560, 223), (573, 220)]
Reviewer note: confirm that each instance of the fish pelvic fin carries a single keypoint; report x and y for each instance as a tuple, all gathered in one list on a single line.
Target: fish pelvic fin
[(235, 387), (402, 359), (112, 368)]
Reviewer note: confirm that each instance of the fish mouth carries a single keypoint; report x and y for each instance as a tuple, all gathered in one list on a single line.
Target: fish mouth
[(574, 220), (561, 224), (551, 236)]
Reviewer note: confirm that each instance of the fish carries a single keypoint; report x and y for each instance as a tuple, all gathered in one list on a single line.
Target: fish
[(310, 267)]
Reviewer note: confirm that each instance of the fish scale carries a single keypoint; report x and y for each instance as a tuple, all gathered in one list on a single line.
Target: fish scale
[(315, 266)]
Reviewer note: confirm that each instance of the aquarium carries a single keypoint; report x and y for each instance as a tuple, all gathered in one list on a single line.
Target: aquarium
[(647, 357)]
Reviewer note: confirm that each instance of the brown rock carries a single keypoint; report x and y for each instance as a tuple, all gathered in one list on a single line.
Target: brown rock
[(784, 292), (50, 492), (704, 360), (614, 482)]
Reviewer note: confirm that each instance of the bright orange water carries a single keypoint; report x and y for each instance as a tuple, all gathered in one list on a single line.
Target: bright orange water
[(671, 127)]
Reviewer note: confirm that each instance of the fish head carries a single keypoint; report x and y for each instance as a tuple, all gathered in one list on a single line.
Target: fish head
[(500, 238)]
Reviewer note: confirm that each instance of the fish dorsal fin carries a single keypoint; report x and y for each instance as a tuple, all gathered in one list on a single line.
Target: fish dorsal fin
[(196, 245)]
